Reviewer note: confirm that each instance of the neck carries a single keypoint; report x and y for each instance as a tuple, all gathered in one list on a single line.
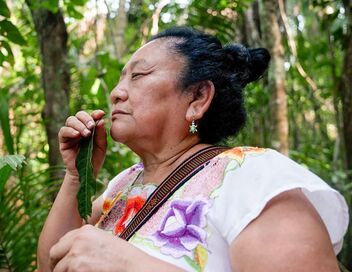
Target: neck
[(159, 164)]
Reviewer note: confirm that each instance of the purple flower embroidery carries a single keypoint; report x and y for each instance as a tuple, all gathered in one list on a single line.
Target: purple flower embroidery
[(182, 228)]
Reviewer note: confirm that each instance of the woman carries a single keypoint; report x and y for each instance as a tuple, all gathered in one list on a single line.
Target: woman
[(246, 209)]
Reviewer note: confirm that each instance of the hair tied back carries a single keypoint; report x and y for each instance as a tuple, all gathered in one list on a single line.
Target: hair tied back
[(248, 63)]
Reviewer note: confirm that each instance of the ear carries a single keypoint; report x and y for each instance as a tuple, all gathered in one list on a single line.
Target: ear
[(203, 94)]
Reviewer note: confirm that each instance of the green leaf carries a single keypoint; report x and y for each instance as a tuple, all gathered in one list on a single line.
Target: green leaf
[(14, 161), (77, 2), (73, 13), (4, 10), (2, 58), (52, 5), (5, 122), (8, 30), (9, 55), (9, 163), (5, 173), (87, 181)]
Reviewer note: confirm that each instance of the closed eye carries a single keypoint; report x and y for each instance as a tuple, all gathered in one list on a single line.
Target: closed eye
[(137, 75)]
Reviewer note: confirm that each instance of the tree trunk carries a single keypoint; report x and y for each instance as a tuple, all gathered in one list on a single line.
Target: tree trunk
[(276, 74), (346, 98), (252, 25), (346, 90), (121, 22), (52, 38)]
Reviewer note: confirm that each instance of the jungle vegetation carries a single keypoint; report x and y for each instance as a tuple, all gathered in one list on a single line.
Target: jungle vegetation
[(61, 56)]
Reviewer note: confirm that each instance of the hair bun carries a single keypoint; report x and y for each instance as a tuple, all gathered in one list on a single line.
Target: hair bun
[(248, 63)]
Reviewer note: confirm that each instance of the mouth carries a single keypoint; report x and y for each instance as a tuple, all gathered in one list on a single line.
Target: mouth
[(116, 113)]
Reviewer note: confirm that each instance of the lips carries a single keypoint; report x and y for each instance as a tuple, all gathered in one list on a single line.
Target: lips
[(118, 112)]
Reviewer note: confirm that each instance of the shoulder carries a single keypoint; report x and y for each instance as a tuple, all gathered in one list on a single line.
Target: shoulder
[(289, 235), (255, 176), (262, 158)]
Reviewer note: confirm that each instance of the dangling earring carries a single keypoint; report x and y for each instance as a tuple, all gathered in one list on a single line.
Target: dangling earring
[(193, 127)]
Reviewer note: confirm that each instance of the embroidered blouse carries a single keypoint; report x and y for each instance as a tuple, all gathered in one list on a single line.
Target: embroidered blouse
[(194, 228)]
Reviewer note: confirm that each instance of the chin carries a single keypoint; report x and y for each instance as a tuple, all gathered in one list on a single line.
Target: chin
[(118, 133)]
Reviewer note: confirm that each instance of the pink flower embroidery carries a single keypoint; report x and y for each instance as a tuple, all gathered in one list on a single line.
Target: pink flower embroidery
[(182, 231)]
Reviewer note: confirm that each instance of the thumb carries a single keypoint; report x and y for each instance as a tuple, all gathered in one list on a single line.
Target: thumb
[(100, 136)]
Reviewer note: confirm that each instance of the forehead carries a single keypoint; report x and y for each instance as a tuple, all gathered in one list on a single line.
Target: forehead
[(156, 53)]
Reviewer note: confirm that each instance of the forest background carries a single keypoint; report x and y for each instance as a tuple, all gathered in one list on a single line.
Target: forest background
[(61, 56)]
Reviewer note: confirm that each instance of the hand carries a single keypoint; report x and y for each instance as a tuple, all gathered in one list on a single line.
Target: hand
[(79, 126), (91, 249)]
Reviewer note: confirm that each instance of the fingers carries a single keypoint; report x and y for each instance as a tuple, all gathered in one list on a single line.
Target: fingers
[(100, 135), (84, 122), (66, 134), (59, 250), (61, 266), (72, 245), (98, 114), (89, 121)]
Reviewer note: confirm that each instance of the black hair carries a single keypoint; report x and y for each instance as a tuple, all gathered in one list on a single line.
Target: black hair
[(229, 68)]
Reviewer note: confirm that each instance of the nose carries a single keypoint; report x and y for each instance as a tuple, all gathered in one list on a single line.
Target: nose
[(118, 93)]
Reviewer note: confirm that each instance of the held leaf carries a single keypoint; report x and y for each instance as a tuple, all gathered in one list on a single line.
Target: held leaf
[(87, 188)]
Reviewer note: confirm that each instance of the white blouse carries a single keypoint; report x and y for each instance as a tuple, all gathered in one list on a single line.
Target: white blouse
[(194, 228)]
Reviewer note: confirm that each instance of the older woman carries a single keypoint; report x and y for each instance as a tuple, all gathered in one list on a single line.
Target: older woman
[(244, 209)]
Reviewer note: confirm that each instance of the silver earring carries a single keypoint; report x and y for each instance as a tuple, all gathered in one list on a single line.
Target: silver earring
[(193, 127)]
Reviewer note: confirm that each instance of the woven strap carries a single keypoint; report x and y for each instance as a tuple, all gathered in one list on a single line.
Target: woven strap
[(175, 180)]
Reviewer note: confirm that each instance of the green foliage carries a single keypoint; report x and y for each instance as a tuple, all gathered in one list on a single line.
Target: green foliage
[(8, 164), (9, 31), (5, 122), (24, 206), (4, 10), (87, 188), (313, 116), (51, 5), (73, 13), (6, 54), (9, 34), (72, 8), (217, 17)]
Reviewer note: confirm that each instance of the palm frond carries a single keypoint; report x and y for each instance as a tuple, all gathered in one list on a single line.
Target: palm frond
[(23, 209)]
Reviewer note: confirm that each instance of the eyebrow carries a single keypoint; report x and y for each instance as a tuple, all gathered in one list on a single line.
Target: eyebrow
[(134, 64)]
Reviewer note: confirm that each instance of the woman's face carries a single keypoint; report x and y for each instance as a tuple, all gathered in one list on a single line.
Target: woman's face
[(148, 108)]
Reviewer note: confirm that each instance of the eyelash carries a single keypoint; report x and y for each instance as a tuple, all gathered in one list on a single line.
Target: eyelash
[(134, 75)]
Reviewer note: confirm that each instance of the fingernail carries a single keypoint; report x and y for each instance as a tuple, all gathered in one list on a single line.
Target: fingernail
[(86, 132), (75, 132), (90, 124)]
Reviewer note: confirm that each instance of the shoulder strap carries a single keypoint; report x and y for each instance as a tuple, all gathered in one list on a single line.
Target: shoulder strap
[(174, 181)]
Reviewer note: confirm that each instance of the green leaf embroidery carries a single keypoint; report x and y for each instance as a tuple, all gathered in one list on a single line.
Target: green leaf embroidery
[(192, 263), (87, 181)]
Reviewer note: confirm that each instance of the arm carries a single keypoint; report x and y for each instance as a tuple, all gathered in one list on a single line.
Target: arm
[(92, 249), (64, 216), (289, 235)]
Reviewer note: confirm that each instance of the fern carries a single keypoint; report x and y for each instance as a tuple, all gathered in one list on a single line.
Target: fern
[(23, 209)]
